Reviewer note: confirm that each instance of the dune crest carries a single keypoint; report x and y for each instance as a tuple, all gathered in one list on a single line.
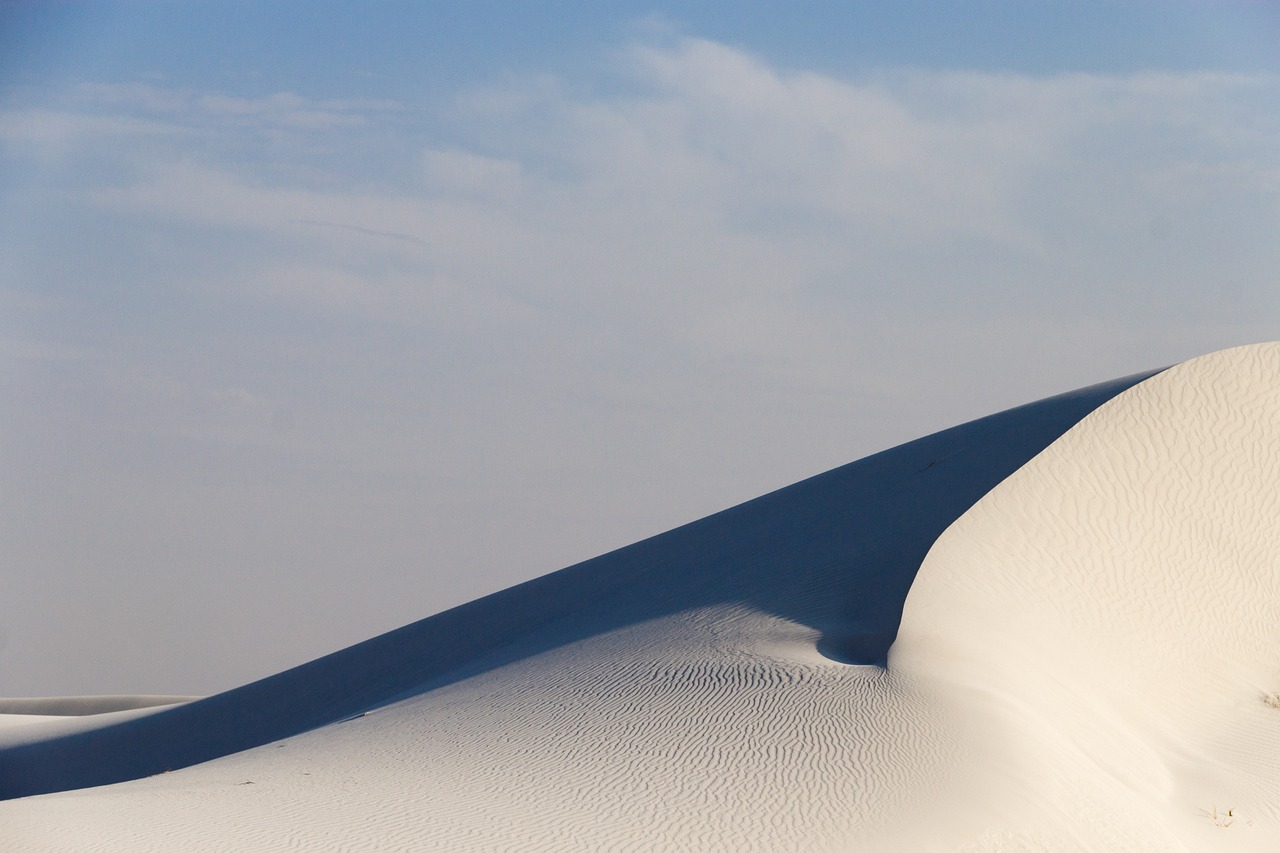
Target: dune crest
[(1082, 664), (1107, 619)]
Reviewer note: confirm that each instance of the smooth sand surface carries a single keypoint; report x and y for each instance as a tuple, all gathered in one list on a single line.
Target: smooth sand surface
[(1082, 664), (81, 706), (40, 719), (1107, 623)]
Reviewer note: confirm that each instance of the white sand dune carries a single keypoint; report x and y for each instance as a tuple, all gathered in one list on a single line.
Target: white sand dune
[(60, 716), (81, 706), (1108, 618), (1082, 663)]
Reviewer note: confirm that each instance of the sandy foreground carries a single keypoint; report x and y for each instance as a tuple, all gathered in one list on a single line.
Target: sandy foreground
[(1088, 658)]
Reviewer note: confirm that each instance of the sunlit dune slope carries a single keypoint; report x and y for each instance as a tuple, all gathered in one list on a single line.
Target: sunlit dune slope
[(1107, 622)]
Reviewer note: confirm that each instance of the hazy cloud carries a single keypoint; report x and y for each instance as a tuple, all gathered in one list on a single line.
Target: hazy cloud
[(446, 347)]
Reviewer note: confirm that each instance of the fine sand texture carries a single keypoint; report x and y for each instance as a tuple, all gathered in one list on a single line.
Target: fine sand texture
[(1085, 595)]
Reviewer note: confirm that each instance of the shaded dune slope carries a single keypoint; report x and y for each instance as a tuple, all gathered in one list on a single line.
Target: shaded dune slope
[(834, 556)]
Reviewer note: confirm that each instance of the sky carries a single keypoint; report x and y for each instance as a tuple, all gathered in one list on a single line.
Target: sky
[(320, 318)]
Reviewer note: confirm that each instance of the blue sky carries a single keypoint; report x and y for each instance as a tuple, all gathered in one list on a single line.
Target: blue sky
[(319, 318), (406, 49)]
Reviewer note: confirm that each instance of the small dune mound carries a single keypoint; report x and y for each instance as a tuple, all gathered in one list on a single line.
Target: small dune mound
[(83, 706)]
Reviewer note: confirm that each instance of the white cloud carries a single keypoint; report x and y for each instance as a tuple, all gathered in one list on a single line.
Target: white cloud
[(721, 205), (134, 96), (282, 108), (45, 127)]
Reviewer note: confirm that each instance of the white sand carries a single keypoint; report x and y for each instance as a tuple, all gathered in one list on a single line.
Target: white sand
[(40, 718), (1109, 619), (1081, 666), (83, 706)]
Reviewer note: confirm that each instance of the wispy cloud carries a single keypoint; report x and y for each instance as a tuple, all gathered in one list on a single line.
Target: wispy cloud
[(702, 279), (731, 212), (281, 108), (284, 108), (725, 210), (34, 126), (368, 232)]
